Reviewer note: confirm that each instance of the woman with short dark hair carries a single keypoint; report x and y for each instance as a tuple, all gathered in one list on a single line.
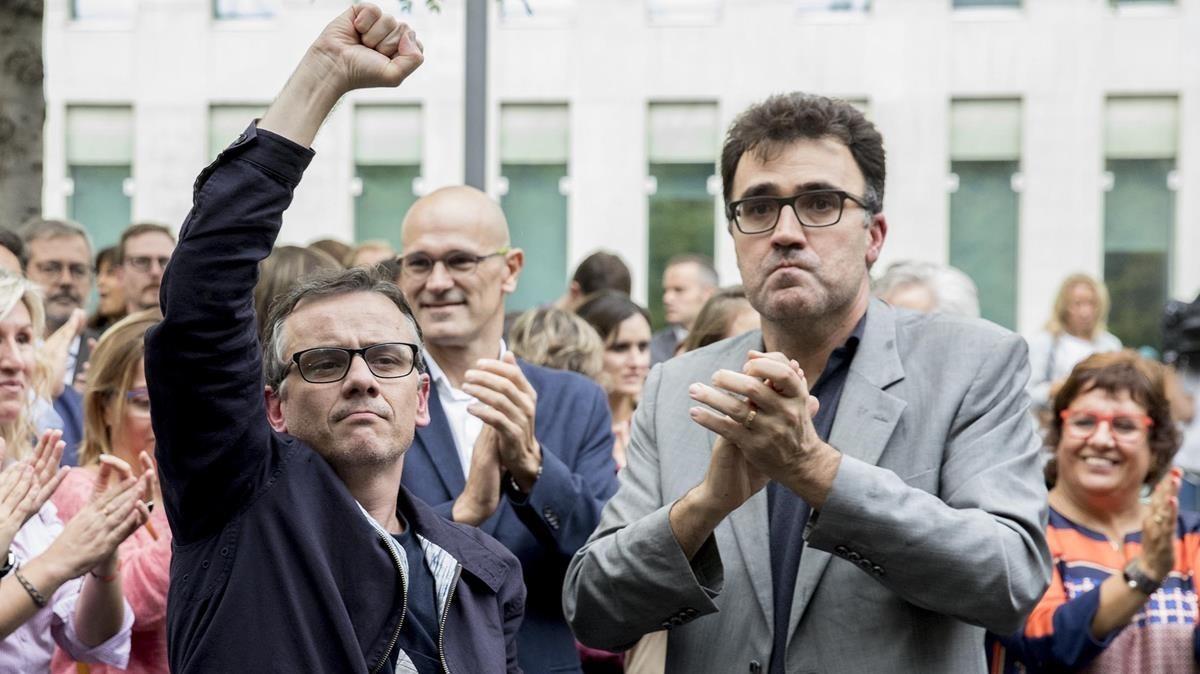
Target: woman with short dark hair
[(1123, 595)]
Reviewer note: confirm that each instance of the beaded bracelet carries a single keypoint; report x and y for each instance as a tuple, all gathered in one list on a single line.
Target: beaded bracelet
[(38, 597)]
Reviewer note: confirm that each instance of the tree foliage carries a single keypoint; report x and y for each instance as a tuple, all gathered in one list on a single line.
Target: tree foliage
[(22, 110)]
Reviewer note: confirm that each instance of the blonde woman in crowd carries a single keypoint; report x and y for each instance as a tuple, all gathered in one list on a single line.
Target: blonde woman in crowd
[(559, 339), (117, 423), (60, 585), (1076, 330), (726, 314)]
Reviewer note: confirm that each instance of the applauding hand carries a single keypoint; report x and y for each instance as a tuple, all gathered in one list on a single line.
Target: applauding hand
[(89, 541), (25, 486)]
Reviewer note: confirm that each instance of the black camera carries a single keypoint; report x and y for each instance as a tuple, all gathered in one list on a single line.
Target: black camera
[(1181, 334)]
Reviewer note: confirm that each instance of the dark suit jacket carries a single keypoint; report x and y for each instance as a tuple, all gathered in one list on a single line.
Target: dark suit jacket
[(275, 567), (69, 404), (574, 428)]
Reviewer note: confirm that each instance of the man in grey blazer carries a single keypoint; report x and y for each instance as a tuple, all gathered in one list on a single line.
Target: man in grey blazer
[(854, 488)]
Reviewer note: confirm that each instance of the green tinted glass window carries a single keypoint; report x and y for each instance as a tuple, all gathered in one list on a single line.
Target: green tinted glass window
[(1139, 224), (537, 221), (387, 194), (983, 234), (681, 220), (99, 202)]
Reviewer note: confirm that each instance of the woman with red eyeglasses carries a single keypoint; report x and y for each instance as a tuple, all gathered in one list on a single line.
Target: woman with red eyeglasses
[(1122, 596)]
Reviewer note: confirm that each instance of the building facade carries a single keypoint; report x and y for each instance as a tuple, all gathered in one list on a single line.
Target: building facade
[(1026, 139)]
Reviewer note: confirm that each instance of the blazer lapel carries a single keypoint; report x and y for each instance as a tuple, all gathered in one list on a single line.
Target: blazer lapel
[(749, 523), (751, 530), (866, 416), (438, 442)]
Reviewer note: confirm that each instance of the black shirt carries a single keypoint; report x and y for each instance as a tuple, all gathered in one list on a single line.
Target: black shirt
[(788, 514), (418, 634)]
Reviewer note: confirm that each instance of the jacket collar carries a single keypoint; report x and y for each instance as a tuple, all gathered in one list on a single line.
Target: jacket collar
[(474, 557)]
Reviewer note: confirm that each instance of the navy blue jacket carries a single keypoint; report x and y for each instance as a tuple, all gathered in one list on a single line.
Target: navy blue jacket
[(276, 568), (574, 428)]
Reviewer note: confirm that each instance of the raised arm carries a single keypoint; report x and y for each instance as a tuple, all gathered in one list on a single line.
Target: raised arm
[(203, 362)]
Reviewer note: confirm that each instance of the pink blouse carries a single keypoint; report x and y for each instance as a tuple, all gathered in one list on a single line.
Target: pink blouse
[(145, 568)]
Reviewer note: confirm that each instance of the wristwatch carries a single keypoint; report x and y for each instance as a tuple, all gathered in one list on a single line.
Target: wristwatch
[(1136, 579), (9, 563)]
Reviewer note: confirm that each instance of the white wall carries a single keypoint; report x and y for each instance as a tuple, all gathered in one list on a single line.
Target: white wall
[(909, 58)]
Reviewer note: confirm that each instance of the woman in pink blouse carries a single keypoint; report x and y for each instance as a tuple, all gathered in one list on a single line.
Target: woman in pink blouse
[(117, 423)]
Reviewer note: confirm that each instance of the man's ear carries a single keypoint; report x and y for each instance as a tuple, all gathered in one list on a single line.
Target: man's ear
[(515, 259), (422, 417), (275, 410), (876, 234)]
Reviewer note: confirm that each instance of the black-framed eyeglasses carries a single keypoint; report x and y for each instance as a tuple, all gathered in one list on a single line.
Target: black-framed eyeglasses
[(457, 262), (815, 208), (326, 364), (144, 262)]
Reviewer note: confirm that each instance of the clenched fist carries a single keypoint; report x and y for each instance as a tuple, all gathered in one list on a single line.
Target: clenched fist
[(361, 48), (366, 48)]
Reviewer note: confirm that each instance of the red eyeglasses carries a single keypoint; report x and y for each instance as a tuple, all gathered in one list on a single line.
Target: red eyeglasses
[(1083, 423)]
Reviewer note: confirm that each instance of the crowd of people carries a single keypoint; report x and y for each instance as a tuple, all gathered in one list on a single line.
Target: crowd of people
[(339, 458)]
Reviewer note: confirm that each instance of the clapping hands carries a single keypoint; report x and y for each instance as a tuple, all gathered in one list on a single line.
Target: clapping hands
[(26, 485), (116, 509)]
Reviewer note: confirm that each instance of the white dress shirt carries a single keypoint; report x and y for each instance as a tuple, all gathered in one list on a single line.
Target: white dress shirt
[(464, 426)]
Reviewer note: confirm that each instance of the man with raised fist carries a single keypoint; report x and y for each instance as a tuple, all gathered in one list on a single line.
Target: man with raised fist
[(296, 549)]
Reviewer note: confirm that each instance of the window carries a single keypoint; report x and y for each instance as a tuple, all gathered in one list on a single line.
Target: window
[(227, 122), (1140, 141), (985, 160), (962, 4), (682, 143), (243, 9), (104, 10), (833, 5), (534, 151), (387, 166), (686, 12), (100, 166)]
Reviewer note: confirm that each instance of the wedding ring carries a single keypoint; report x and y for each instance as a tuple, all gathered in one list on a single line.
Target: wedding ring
[(750, 418), (1159, 519)]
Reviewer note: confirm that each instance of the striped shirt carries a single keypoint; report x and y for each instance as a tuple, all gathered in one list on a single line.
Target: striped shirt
[(1057, 635)]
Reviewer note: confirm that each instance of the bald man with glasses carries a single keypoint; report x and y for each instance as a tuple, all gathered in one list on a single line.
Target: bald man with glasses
[(521, 451)]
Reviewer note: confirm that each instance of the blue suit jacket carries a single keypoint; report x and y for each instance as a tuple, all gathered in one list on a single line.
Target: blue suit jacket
[(574, 428)]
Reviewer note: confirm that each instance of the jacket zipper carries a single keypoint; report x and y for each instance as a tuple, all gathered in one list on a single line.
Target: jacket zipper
[(403, 604), (446, 614)]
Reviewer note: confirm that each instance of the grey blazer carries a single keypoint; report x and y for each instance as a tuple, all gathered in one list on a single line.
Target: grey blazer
[(933, 530)]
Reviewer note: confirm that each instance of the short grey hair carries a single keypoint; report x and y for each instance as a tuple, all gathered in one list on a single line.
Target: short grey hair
[(36, 229), (326, 283), (953, 291), (708, 271)]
